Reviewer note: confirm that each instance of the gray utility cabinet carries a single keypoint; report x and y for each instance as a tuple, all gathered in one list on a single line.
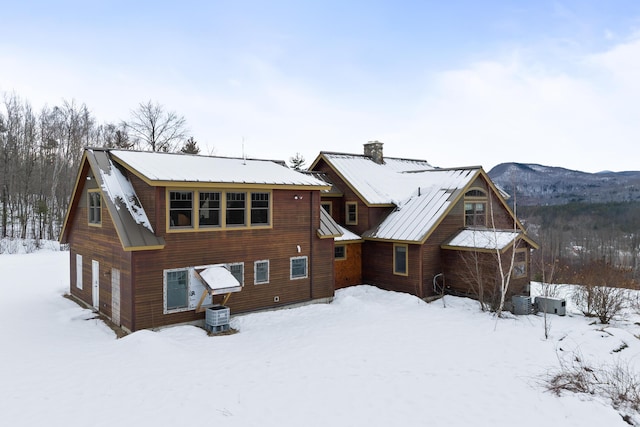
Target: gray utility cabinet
[(552, 305), (521, 304)]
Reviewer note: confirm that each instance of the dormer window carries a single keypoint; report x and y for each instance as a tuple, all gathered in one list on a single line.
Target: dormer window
[(475, 208)]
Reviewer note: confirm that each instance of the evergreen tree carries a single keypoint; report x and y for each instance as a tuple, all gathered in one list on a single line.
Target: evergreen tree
[(190, 146), (297, 161)]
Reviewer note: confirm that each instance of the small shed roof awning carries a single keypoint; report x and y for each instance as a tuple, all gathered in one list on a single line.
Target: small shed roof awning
[(473, 239), (328, 227), (218, 279)]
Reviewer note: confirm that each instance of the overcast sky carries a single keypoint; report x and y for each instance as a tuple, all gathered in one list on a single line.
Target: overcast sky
[(457, 83)]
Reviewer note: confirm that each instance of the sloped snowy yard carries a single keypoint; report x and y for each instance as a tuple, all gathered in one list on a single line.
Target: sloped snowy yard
[(371, 358)]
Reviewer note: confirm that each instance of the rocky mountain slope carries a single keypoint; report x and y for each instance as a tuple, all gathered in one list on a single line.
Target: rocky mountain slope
[(535, 184)]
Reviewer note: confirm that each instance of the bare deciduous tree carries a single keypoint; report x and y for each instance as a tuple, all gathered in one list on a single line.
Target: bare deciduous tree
[(155, 128)]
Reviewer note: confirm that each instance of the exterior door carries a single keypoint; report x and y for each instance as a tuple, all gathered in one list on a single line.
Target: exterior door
[(115, 296), (95, 284)]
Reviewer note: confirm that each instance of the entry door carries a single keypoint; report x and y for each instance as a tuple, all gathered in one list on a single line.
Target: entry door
[(115, 296), (95, 283)]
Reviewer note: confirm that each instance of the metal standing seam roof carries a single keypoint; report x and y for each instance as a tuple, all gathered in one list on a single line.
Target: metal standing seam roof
[(125, 209), (171, 167), (432, 197), (385, 183), (328, 227), (488, 239)]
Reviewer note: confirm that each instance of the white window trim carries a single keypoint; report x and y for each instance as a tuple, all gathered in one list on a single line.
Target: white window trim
[(306, 267), (229, 265), (164, 291), (79, 271), (255, 272)]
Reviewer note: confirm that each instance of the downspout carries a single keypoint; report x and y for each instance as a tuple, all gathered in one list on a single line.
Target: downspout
[(311, 233)]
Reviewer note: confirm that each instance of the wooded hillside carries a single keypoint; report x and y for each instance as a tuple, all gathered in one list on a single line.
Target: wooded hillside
[(40, 152)]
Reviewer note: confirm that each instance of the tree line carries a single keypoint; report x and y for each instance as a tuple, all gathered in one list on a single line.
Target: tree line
[(577, 239), (40, 152)]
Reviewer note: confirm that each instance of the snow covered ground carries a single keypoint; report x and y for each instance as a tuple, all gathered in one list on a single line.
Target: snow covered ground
[(371, 358)]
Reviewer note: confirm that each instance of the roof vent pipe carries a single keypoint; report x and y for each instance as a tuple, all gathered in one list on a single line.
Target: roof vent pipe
[(373, 150)]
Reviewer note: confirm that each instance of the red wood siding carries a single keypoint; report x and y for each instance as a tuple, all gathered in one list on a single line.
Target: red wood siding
[(295, 224), (103, 245), (349, 270)]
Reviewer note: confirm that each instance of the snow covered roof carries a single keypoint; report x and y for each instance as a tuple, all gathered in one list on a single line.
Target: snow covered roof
[(218, 279), (383, 184), (482, 239), (128, 215), (170, 167), (347, 236), (433, 192)]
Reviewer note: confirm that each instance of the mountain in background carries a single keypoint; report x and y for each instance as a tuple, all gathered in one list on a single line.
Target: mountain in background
[(538, 185)]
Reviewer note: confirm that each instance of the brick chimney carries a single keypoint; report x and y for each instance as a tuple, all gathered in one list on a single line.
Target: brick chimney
[(373, 150)]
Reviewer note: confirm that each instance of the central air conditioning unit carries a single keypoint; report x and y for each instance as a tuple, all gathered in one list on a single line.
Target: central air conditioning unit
[(552, 305), (521, 304), (217, 319)]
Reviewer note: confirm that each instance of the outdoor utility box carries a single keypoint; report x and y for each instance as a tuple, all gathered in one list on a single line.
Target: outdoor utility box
[(521, 304), (217, 319), (552, 305)]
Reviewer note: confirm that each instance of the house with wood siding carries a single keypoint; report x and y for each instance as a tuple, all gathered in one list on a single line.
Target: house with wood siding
[(422, 229), (155, 238)]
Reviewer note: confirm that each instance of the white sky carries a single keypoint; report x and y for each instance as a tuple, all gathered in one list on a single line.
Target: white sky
[(457, 83)]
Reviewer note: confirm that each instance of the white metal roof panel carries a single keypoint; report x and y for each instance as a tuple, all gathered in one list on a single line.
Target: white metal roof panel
[(193, 168), (472, 238), (378, 183), (415, 217)]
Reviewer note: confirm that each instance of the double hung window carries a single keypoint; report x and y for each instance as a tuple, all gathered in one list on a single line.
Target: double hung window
[(209, 212), (181, 208), (259, 208)]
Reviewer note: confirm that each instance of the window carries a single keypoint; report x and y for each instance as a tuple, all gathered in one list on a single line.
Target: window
[(78, 271), (474, 214), (520, 263), (261, 272), (235, 208), (298, 267), (209, 212), (181, 208), (351, 213), (400, 259), (475, 208), (259, 208), (215, 209), (95, 212), (327, 207), (176, 284), (237, 269), (340, 252)]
